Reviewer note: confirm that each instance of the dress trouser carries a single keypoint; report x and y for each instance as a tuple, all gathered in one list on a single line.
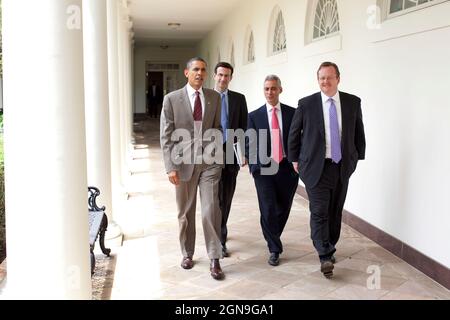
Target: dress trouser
[(275, 195), (326, 202), (206, 178), (227, 187)]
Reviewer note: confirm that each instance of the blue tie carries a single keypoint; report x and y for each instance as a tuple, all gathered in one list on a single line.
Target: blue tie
[(224, 117), (336, 154)]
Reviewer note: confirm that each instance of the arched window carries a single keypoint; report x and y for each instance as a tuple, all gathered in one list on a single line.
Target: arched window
[(232, 55), (404, 6), (251, 49), (279, 37), (326, 19), (277, 33), (249, 46)]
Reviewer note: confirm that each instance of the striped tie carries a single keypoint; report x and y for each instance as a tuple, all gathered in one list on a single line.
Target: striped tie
[(197, 107)]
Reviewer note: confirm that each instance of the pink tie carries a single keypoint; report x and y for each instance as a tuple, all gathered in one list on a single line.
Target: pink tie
[(277, 147)]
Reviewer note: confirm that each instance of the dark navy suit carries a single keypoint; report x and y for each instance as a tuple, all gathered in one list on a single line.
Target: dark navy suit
[(237, 119), (276, 191)]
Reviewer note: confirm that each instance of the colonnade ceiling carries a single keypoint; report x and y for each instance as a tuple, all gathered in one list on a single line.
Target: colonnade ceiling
[(151, 19)]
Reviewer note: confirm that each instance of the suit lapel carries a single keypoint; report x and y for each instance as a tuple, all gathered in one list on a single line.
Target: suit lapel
[(231, 110), (285, 119), (186, 103), (319, 114), (345, 117), (265, 125), (208, 116)]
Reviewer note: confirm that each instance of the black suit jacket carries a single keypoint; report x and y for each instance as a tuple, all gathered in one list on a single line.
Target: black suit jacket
[(257, 120), (237, 116), (237, 111), (307, 137)]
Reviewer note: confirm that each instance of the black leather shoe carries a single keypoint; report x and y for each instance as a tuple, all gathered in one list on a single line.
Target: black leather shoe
[(326, 267), (274, 259), (225, 252), (216, 270), (187, 263), (333, 259)]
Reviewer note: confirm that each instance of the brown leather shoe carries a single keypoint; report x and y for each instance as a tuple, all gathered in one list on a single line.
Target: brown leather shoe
[(187, 263), (326, 267), (216, 271)]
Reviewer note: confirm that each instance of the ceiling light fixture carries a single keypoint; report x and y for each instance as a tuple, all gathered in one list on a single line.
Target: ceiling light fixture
[(174, 25)]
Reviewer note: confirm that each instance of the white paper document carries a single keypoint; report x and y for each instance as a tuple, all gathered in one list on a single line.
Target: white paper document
[(239, 154)]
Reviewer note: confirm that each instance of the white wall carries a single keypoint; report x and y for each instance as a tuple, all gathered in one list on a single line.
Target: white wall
[(403, 80), (158, 55)]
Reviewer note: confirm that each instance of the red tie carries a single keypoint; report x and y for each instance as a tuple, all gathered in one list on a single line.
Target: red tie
[(197, 107), (277, 147)]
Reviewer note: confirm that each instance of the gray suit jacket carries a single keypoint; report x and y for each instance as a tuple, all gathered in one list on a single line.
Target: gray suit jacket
[(177, 114)]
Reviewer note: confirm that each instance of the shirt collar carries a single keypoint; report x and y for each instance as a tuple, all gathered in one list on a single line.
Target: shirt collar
[(269, 107), (225, 92), (191, 91), (325, 98)]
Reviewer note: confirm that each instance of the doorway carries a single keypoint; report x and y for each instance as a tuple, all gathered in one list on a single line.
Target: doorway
[(154, 93)]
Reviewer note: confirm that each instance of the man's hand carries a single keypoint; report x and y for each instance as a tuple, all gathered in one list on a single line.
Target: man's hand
[(295, 164), (173, 177), (245, 162)]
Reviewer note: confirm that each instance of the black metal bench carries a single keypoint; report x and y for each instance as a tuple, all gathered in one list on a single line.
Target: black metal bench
[(98, 223)]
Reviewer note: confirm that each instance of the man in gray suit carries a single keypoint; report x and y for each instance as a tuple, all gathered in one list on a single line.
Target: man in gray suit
[(187, 117)]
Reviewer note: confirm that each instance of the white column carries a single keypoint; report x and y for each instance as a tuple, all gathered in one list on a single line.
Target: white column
[(114, 107), (122, 95), (130, 84), (45, 151), (97, 106)]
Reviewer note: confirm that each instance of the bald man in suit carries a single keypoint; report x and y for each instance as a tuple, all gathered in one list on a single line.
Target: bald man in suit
[(193, 111)]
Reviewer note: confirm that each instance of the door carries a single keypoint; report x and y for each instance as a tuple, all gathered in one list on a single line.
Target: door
[(154, 92)]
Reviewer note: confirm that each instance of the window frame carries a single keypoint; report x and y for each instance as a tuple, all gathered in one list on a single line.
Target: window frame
[(313, 22), (389, 15)]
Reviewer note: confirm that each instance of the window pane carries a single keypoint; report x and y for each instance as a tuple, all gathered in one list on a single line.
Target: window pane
[(279, 38), (396, 5), (400, 5), (326, 20), (410, 4)]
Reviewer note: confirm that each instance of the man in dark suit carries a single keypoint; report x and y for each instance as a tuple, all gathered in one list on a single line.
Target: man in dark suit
[(233, 117), (325, 142), (155, 96), (275, 178)]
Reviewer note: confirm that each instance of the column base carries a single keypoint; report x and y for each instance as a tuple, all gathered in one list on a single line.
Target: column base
[(114, 235)]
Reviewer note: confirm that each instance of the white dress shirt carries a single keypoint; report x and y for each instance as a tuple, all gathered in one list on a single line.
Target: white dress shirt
[(326, 117), (280, 121), (191, 94)]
